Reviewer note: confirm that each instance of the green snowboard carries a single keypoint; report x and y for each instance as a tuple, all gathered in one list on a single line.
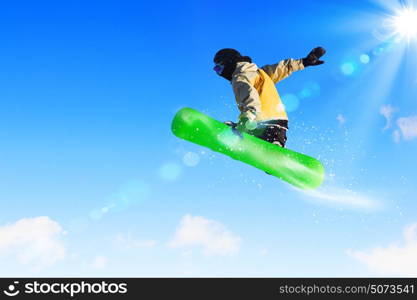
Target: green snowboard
[(295, 168)]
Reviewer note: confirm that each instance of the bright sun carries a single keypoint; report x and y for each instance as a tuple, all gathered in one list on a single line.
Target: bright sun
[(405, 23)]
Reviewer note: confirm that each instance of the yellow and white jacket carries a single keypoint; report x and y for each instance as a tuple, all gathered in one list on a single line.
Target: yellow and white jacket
[(254, 88)]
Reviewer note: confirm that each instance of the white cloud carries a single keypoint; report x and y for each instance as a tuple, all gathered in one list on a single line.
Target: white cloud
[(35, 242), (341, 119), (209, 234), (408, 127), (342, 198), (99, 262), (395, 259), (129, 242), (396, 136), (387, 111)]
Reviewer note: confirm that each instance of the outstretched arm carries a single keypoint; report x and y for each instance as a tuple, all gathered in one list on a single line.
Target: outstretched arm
[(285, 67)]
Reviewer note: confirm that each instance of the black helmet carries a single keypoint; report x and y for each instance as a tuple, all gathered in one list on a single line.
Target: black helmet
[(229, 57)]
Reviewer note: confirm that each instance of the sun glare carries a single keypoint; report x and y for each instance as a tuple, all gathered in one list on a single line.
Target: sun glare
[(405, 23)]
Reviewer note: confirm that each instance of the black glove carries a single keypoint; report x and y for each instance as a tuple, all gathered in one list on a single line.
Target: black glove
[(312, 58)]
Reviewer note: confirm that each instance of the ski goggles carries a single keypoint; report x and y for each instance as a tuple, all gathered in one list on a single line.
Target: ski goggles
[(218, 68)]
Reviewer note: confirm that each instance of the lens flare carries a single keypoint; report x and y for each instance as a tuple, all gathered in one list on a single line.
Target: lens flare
[(170, 171), (304, 93), (405, 23), (129, 194), (291, 102), (191, 159), (364, 58), (348, 68)]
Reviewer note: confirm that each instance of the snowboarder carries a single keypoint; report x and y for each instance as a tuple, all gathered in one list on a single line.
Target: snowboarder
[(262, 112)]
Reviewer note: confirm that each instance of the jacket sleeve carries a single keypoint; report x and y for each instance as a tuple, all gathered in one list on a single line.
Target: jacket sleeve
[(247, 98), (283, 69)]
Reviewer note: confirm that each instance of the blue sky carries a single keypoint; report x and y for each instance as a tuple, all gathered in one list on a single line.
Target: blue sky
[(95, 184)]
